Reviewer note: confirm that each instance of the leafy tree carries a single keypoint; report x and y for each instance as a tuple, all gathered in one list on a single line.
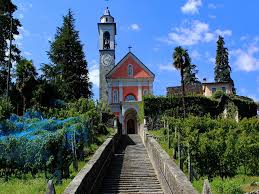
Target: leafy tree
[(25, 80), (7, 8), (5, 107), (181, 60), (189, 73), (222, 68), (44, 94), (68, 70)]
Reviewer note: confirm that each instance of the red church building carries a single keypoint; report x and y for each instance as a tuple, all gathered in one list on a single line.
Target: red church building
[(123, 85)]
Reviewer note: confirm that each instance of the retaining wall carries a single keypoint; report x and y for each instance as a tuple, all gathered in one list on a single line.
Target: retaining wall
[(171, 177), (89, 177)]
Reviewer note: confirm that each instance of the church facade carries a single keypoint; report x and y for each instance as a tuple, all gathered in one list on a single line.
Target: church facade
[(124, 84)]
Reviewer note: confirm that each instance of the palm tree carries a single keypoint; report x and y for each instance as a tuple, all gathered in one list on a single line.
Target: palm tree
[(181, 60)]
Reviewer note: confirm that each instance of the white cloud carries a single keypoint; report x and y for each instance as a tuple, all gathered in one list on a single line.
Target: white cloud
[(193, 32), (27, 53), (223, 32), (191, 7), (246, 60), (195, 54), (134, 27), (212, 6), (168, 67), (94, 73), (212, 17)]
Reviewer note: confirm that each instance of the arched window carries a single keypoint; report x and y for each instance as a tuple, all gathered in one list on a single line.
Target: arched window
[(130, 98), (106, 40), (130, 70), (115, 96)]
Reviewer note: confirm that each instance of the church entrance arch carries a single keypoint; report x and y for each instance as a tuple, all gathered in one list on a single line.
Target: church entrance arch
[(131, 121)]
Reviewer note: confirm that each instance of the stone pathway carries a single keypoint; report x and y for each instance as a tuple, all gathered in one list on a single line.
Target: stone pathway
[(131, 170)]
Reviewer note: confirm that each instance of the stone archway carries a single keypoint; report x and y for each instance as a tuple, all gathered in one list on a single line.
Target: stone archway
[(131, 121)]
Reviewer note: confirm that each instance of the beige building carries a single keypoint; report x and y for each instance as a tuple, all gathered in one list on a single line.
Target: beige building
[(205, 89), (209, 88)]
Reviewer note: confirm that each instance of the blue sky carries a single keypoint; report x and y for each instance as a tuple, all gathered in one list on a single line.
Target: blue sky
[(153, 28)]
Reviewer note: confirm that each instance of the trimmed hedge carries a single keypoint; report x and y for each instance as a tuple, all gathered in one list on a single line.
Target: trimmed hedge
[(155, 107)]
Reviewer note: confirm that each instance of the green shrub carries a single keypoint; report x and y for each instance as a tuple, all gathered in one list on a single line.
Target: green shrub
[(6, 108)]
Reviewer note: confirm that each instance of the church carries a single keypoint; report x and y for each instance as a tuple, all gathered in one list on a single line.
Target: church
[(124, 84)]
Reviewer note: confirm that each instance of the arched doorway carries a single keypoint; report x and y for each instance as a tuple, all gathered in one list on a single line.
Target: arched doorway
[(131, 126), (131, 121)]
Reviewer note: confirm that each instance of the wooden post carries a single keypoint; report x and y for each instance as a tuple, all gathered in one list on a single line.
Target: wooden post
[(206, 187), (189, 164), (175, 136), (50, 188), (168, 135)]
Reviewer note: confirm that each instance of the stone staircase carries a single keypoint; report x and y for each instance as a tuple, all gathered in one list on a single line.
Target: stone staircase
[(130, 170)]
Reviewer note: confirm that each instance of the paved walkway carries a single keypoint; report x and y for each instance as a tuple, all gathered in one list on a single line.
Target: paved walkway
[(131, 170)]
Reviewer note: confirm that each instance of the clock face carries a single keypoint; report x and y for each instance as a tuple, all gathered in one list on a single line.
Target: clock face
[(106, 59)]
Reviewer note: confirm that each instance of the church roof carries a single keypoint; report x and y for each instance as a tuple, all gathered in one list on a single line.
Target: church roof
[(140, 70)]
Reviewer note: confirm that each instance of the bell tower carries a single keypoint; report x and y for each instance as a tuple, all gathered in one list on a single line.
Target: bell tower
[(107, 32)]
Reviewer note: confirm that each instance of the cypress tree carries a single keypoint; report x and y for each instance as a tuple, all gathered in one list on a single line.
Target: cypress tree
[(69, 66), (222, 68), (7, 8)]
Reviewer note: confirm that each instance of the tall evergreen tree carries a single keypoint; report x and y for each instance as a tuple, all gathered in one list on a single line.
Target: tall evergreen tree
[(68, 70), (222, 68), (189, 72), (7, 8)]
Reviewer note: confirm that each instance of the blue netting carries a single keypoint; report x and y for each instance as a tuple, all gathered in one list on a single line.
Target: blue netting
[(32, 125)]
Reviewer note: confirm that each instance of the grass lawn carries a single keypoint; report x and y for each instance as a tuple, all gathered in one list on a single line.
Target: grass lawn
[(38, 185)]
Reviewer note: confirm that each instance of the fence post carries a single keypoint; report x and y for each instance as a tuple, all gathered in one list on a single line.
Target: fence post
[(206, 187), (50, 188)]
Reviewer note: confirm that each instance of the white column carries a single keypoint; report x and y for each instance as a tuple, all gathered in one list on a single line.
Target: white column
[(120, 91), (139, 91)]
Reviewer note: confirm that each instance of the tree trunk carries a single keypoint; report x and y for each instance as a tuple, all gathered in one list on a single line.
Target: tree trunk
[(24, 104), (183, 93)]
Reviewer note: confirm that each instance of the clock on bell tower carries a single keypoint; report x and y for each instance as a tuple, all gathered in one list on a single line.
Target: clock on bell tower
[(107, 32)]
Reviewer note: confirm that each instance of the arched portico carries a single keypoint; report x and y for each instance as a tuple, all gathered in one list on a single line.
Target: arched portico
[(130, 121)]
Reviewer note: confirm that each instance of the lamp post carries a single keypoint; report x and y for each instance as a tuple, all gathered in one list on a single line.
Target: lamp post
[(10, 58)]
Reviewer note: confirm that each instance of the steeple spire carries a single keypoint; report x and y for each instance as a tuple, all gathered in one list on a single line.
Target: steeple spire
[(107, 12)]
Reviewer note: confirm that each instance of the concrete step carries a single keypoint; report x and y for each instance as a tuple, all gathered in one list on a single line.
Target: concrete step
[(130, 170)]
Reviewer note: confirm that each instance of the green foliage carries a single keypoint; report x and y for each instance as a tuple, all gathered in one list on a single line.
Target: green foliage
[(219, 147), (172, 106), (238, 184), (6, 108), (190, 71), (69, 71), (218, 94), (197, 106), (25, 80), (222, 68)]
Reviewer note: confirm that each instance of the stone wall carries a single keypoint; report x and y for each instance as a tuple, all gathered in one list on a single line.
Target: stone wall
[(89, 177), (189, 90), (173, 180)]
